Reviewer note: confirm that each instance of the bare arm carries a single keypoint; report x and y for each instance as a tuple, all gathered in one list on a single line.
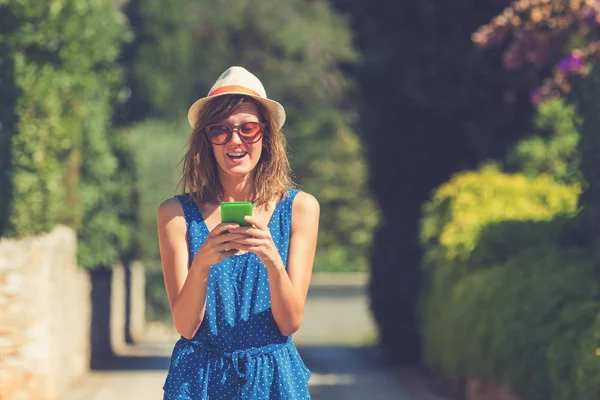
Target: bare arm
[(186, 288), (289, 288)]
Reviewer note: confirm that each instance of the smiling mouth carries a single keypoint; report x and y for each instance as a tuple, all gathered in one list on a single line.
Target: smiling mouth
[(237, 155)]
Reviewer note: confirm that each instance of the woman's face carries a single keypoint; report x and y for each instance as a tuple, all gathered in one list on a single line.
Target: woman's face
[(237, 158)]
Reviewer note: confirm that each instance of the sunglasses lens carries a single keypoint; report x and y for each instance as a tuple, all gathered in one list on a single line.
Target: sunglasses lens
[(218, 133), (250, 132)]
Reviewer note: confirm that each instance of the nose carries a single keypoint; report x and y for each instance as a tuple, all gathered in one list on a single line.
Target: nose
[(235, 136)]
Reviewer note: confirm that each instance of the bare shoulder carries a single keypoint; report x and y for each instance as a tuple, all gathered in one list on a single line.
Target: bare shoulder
[(305, 206), (169, 210), (306, 201)]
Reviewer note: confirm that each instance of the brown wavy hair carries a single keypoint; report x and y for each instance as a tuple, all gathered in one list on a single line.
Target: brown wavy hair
[(272, 174)]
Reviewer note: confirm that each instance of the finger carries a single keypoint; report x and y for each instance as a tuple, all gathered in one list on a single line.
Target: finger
[(227, 246), (249, 241), (251, 231), (225, 226), (228, 237), (250, 249), (254, 221)]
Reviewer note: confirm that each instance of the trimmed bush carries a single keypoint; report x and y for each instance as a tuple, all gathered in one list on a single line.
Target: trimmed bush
[(586, 368), (461, 208), (520, 323), (511, 294), (453, 223)]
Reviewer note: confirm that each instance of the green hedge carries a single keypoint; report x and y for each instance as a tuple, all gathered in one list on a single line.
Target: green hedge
[(523, 323), (59, 64), (587, 370), (461, 208), (8, 120), (108, 194), (510, 294)]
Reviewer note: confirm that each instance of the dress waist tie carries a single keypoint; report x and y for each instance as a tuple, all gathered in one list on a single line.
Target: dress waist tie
[(241, 360)]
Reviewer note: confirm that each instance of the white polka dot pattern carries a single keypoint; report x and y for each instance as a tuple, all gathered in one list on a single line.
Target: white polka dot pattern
[(238, 351)]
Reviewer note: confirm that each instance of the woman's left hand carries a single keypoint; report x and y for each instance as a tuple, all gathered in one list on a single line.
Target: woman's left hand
[(260, 242)]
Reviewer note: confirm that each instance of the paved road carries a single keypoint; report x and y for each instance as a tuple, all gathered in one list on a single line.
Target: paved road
[(334, 342)]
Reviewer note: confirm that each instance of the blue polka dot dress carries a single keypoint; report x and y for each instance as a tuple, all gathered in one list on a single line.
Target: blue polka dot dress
[(238, 351)]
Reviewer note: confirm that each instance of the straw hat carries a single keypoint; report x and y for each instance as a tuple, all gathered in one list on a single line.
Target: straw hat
[(238, 80)]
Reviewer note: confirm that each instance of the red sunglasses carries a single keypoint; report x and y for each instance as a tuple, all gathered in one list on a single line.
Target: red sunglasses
[(249, 132)]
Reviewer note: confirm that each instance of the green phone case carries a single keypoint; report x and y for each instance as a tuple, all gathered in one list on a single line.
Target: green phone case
[(235, 211)]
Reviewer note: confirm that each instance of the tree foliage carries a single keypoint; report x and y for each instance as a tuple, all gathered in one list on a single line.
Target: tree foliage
[(60, 65), (157, 149), (554, 148)]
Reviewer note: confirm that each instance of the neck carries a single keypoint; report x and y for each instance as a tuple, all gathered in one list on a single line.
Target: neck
[(236, 188)]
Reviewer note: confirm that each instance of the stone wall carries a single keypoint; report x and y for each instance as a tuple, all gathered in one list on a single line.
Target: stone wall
[(135, 302), (58, 320), (45, 313), (113, 311)]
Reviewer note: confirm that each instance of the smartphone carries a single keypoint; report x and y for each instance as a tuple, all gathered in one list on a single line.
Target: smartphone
[(235, 211)]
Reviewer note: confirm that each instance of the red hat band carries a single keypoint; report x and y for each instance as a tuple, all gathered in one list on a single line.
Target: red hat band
[(233, 89)]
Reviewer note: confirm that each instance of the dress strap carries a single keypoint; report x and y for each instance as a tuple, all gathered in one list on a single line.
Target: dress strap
[(289, 202), (190, 211)]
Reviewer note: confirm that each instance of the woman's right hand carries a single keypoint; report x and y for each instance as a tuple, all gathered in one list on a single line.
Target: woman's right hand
[(216, 247)]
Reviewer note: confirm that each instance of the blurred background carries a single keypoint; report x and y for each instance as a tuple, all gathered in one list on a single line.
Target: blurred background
[(454, 148)]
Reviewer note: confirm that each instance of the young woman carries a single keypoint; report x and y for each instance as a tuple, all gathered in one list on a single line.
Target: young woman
[(237, 293)]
